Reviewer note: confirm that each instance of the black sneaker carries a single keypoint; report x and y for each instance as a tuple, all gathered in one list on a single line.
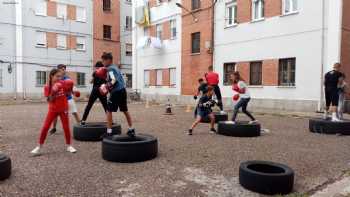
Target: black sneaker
[(190, 132), (131, 133), (82, 123), (53, 131), (212, 130)]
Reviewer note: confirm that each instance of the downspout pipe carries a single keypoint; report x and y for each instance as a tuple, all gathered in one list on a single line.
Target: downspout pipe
[(321, 100)]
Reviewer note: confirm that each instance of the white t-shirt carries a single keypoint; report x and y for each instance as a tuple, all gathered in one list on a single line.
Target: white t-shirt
[(241, 85)]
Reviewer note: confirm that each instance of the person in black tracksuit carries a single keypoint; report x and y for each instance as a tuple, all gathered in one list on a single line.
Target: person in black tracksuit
[(95, 93)]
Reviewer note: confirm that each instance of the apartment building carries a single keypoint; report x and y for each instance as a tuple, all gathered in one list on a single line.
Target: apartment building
[(157, 50), (37, 35)]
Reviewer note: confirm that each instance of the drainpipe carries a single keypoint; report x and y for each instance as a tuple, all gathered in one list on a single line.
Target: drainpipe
[(321, 100)]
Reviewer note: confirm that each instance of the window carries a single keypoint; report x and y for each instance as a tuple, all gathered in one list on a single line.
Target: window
[(128, 49), (258, 9), (81, 79), (81, 14), (290, 6), (107, 32), (106, 5), (61, 10), (128, 80), (61, 41), (159, 30), (1, 78), (196, 40), (41, 78), (196, 4), (229, 68), (81, 45), (128, 23), (41, 8), (41, 39), (159, 77), (146, 78), (172, 77), (286, 72), (255, 73), (231, 13), (173, 29)]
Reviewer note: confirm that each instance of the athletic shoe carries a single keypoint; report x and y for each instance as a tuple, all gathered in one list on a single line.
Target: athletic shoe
[(212, 131), (253, 121), (189, 132), (335, 120), (71, 149), (53, 131), (36, 151), (222, 112), (82, 123), (131, 132)]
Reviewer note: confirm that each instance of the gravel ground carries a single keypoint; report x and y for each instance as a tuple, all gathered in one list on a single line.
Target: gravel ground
[(198, 165)]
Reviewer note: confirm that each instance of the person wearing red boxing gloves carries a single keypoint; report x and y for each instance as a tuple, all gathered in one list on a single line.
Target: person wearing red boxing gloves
[(212, 79), (98, 79), (71, 90), (55, 91), (242, 96)]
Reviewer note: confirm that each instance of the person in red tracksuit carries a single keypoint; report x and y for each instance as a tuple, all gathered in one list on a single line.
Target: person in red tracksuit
[(56, 91), (212, 79)]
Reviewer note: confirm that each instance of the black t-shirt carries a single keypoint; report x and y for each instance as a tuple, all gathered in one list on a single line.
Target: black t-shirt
[(97, 82), (204, 99), (331, 79), (203, 88)]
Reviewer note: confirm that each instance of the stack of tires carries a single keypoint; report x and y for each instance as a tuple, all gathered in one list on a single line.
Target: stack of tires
[(322, 126), (93, 131), (5, 167)]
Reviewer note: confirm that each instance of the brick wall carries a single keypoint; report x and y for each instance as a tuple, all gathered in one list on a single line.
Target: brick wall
[(273, 8), (244, 9), (51, 39), (166, 30), (71, 12), (152, 77), (166, 77), (345, 42), (270, 72)]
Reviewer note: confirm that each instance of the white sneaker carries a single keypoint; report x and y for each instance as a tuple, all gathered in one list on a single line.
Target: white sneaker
[(253, 121), (325, 116), (71, 149), (222, 112), (36, 151), (335, 120)]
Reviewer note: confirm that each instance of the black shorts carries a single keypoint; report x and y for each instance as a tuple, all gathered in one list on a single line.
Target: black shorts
[(117, 100), (332, 97)]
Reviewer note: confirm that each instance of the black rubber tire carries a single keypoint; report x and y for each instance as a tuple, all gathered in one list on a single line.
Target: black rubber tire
[(124, 149), (218, 117), (266, 177), (93, 131), (5, 167), (329, 127), (239, 129)]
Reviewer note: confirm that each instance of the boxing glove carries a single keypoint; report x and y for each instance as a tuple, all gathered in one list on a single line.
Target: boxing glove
[(103, 89), (235, 97), (56, 87), (68, 85), (76, 94), (235, 87), (101, 73)]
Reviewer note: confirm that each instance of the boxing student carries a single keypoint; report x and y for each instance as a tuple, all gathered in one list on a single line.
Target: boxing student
[(98, 78), (202, 90), (241, 95), (331, 81), (117, 94), (342, 90), (56, 91), (71, 103), (212, 79), (204, 110)]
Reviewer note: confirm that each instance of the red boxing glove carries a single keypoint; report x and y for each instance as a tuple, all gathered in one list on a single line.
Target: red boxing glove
[(103, 89), (56, 87), (101, 73), (235, 97), (235, 88), (68, 85), (76, 94), (242, 91)]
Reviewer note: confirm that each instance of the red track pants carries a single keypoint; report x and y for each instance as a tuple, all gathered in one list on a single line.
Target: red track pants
[(51, 116)]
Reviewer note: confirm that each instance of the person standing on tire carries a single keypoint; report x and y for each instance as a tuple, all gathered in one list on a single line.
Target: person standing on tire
[(98, 78), (204, 110), (331, 81), (117, 94), (56, 91), (242, 96), (212, 79), (71, 103), (342, 92)]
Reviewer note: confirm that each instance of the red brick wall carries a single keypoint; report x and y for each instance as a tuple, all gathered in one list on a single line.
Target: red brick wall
[(71, 42), (166, 77), (166, 30), (152, 77), (244, 10), (273, 8), (345, 42), (270, 72), (106, 18), (51, 8), (71, 12), (152, 31), (51, 39)]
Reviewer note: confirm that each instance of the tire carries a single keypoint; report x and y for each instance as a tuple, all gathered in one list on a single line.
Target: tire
[(329, 127), (5, 167), (266, 177), (93, 131), (239, 129), (218, 117), (124, 149)]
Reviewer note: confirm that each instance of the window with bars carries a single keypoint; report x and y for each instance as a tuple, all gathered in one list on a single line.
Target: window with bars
[(255, 73), (286, 72), (41, 77), (107, 32), (196, 40), (229, 68), (195, 4), (107, 5), (81, 79)]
